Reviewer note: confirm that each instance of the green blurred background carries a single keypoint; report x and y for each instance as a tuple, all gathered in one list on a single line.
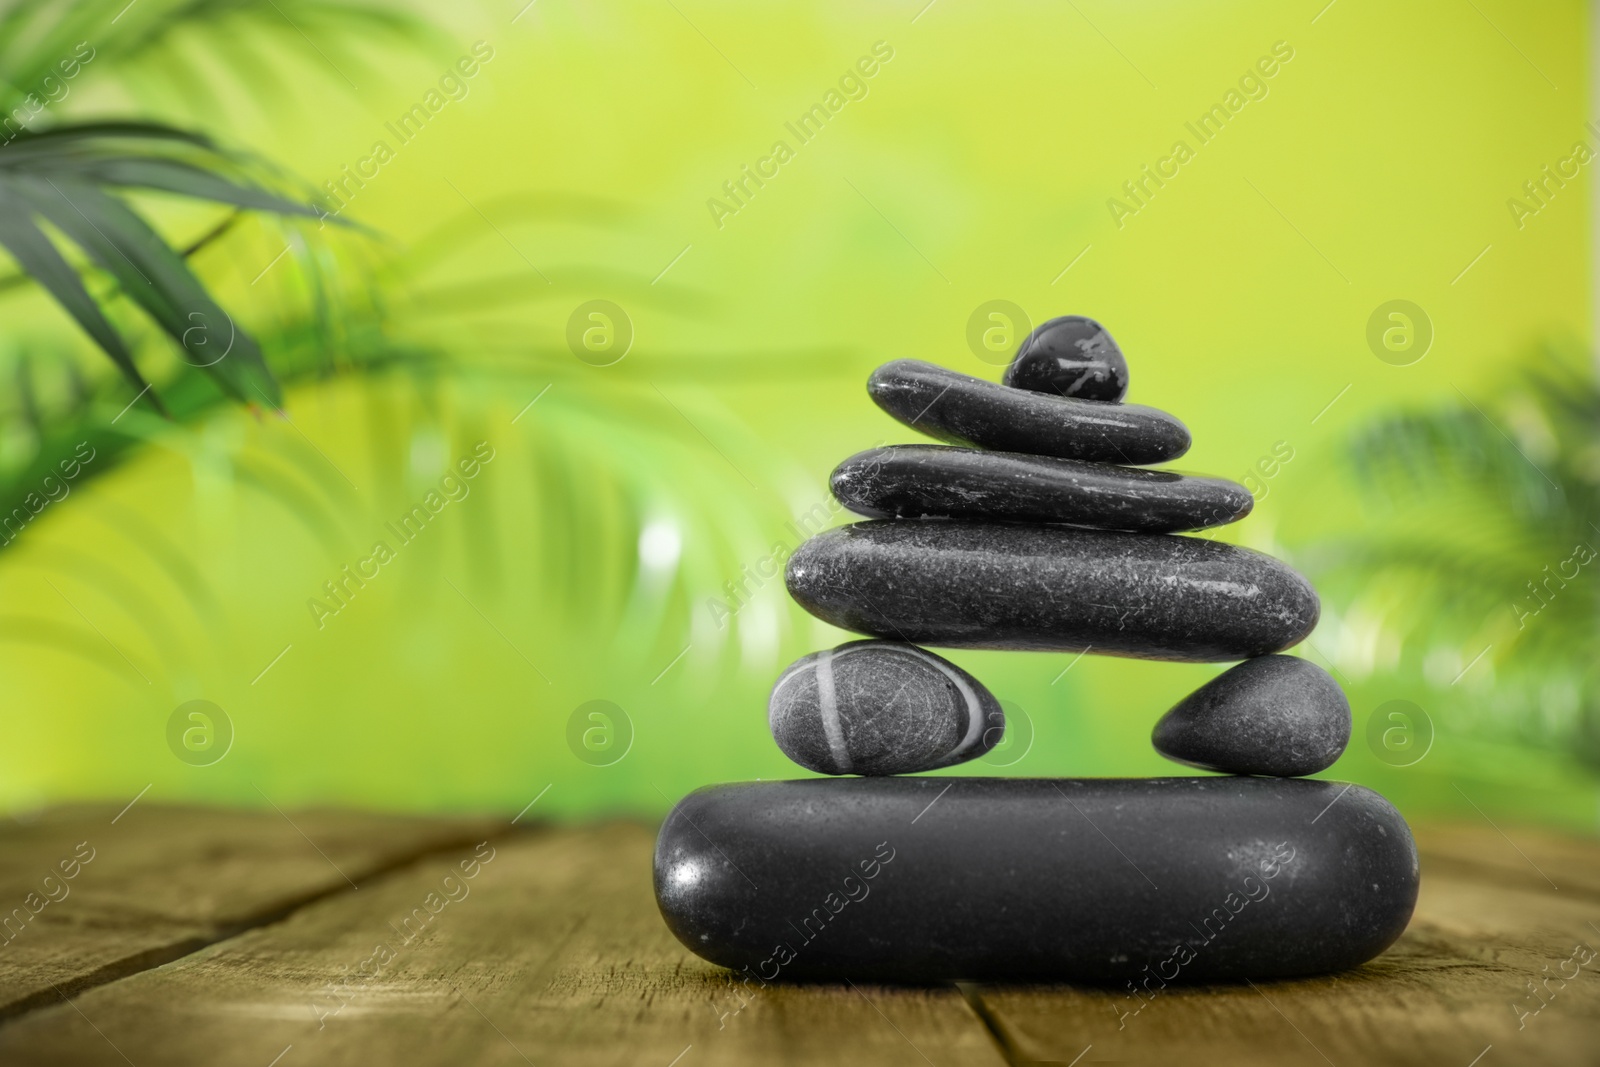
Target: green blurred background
[(586, 558)]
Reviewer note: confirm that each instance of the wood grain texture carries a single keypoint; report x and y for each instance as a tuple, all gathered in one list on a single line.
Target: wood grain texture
[(200, 937), (1514, 856), (552, 954), (160, 882)]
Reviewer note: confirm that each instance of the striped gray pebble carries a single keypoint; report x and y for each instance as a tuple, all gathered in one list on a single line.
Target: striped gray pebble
[(881, 707)]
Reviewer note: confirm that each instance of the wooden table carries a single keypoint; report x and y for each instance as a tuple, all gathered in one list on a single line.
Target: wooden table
[(193, 936)]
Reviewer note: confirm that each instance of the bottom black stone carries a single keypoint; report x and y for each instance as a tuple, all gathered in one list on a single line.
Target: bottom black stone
[(1095, 880)]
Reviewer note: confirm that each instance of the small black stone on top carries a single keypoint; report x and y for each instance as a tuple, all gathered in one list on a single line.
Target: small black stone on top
[(1070, 356)]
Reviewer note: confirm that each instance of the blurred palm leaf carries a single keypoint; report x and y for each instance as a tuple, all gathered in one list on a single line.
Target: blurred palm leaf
[(44, 44), (1487, 509), (61, 177), (56, 180), (604, 457), (57, 408), (552, 552)]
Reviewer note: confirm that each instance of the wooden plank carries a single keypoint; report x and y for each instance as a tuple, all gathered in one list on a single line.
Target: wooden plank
[(1517, 856), (552, 953), (1454, 988), (90, 894)]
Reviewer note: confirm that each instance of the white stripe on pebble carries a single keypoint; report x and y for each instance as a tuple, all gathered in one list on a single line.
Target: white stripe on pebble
[(828, 700), (975, 731)]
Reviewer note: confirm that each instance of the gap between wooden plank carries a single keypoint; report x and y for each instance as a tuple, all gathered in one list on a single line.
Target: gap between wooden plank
[(558, 955), (1461, 979), (969, 991), (161, 955)]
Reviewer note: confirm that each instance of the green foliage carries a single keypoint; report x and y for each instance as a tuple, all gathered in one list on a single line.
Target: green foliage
[(60, 181), (56, 408), (1487, 538), (62, 177), (166, 43)]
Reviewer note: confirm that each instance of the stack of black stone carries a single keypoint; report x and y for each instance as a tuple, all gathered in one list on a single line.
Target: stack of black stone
[(1035, 528)]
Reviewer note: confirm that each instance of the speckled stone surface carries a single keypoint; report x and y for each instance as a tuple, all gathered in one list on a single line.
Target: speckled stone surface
[(962, 410), (881, 707), (1277, 715), (971, 584), (1070, 356), (938, 481), (921, 879)]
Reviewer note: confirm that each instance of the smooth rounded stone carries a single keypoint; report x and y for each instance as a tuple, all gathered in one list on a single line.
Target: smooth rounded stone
[(1150, 880), (1277, 715), (971, 584), (1070, 356), (963, 410), (939, 481), (881, 707)]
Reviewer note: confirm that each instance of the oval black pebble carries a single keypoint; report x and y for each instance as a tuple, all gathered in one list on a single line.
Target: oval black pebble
[(1070, 356), (881, 707), (937, 481), (970, 584), (964, 410), (1063, 880), (1277, 715)]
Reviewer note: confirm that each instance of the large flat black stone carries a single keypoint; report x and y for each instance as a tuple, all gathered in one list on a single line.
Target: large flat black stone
[(964, 410), (972, 584), (922, 879), (937, 481)]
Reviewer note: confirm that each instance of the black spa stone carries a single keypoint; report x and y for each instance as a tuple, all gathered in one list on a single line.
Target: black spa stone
[(962, 410), (881, 707), (1278, 715), (972, 584), (938, 481), (1070, 356), (1150, 881)]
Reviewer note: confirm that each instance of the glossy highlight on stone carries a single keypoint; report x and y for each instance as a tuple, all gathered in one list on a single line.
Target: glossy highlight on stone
[(1070, 356), (939, 481), (1277, 715), (972, 584), (1167, 880), (963, 410), (881, 707)]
